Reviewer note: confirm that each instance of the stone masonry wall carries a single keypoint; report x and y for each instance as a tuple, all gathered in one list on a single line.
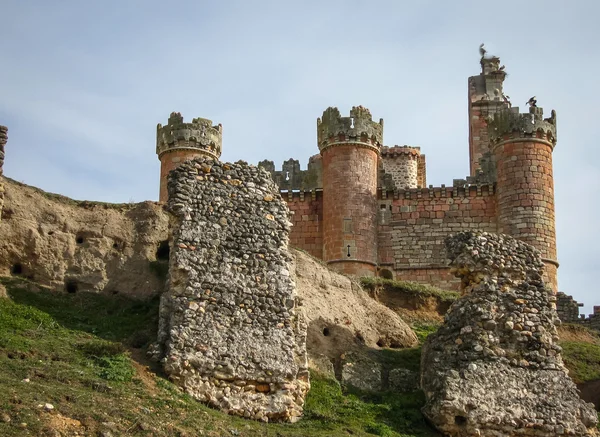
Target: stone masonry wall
[(568, 312), (495, 368), (402, 164), (229, 329), (411, 234), (307, 221), (3, 140)]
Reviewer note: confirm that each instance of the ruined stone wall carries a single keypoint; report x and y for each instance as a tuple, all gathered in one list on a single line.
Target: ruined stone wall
[(307, 221), (229, 328), (411, 234), (3, 139), (495, 368)]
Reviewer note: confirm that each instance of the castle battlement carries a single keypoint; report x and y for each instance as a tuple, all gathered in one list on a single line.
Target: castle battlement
[(509, 125), (199, 134), (441, 192), (393, 151), (358, 129)]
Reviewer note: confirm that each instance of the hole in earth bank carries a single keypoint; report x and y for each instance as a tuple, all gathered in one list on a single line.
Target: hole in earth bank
[(163, 250), (79, 239), (326, 332), (71, 286), (16, 269), (460, 420)]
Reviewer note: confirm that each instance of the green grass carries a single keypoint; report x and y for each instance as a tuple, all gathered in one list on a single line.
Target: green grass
[(410, 287), (424, 328), (75, 351), (582, 360)]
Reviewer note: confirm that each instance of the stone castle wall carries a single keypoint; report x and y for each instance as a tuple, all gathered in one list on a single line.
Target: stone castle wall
[(229, 328), (402, 165), (307, 221), (568, 312)]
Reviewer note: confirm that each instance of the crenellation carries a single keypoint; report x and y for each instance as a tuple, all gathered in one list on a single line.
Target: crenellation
[(370, 204)]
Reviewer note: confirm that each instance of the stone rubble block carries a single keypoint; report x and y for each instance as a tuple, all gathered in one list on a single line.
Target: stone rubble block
[(230, 333), (495, 368)]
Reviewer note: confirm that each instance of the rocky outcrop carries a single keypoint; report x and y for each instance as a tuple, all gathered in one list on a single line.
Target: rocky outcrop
[(341, 316), (82, 246), (494, 368), (229, 329)]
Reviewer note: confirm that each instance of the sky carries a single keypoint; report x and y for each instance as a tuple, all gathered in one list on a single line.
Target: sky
[(84, 84)]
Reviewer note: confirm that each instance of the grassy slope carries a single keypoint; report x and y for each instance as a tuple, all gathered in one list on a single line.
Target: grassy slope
[(74, 352)]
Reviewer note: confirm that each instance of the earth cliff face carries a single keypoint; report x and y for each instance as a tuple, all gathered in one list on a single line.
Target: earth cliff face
[(81, 246)]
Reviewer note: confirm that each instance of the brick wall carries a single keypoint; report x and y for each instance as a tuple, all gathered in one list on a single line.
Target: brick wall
[(526, 197), (170, 161), (349, 206), (411, 234), (307, 218)]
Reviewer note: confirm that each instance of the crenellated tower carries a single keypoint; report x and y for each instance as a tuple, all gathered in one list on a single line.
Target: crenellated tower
[(177, 142), (350, 148), (522, 146), (486, 97)]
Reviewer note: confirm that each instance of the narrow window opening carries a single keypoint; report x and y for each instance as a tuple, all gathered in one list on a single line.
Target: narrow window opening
[(349, 251), (351, 122)]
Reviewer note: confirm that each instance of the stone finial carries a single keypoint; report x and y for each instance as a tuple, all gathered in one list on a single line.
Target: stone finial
[(200, 134), (510, 124), (359, 129)]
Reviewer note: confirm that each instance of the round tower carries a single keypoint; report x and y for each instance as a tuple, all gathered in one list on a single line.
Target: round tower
[(350, 148), (522, 145), (177, 142), (402, 163)]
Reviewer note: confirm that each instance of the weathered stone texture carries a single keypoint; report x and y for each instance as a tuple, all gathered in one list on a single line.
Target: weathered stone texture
[(3, 140), (402, 164), (494, 368), (81, 246), (229, 328), (307, 220)]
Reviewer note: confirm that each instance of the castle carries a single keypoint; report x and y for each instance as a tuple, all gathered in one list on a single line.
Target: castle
[(365, 209)]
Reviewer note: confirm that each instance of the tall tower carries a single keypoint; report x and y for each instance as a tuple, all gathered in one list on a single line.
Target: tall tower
[(486, 97), (522, 145), (177, 142), (350, 148)]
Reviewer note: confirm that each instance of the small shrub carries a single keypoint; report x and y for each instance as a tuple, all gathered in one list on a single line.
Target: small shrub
[(117, 368)]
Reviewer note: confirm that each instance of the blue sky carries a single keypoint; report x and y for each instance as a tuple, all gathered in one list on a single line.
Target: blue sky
[(83, 85)]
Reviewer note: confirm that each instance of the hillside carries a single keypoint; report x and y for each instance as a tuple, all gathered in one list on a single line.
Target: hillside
[(74, 364)]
